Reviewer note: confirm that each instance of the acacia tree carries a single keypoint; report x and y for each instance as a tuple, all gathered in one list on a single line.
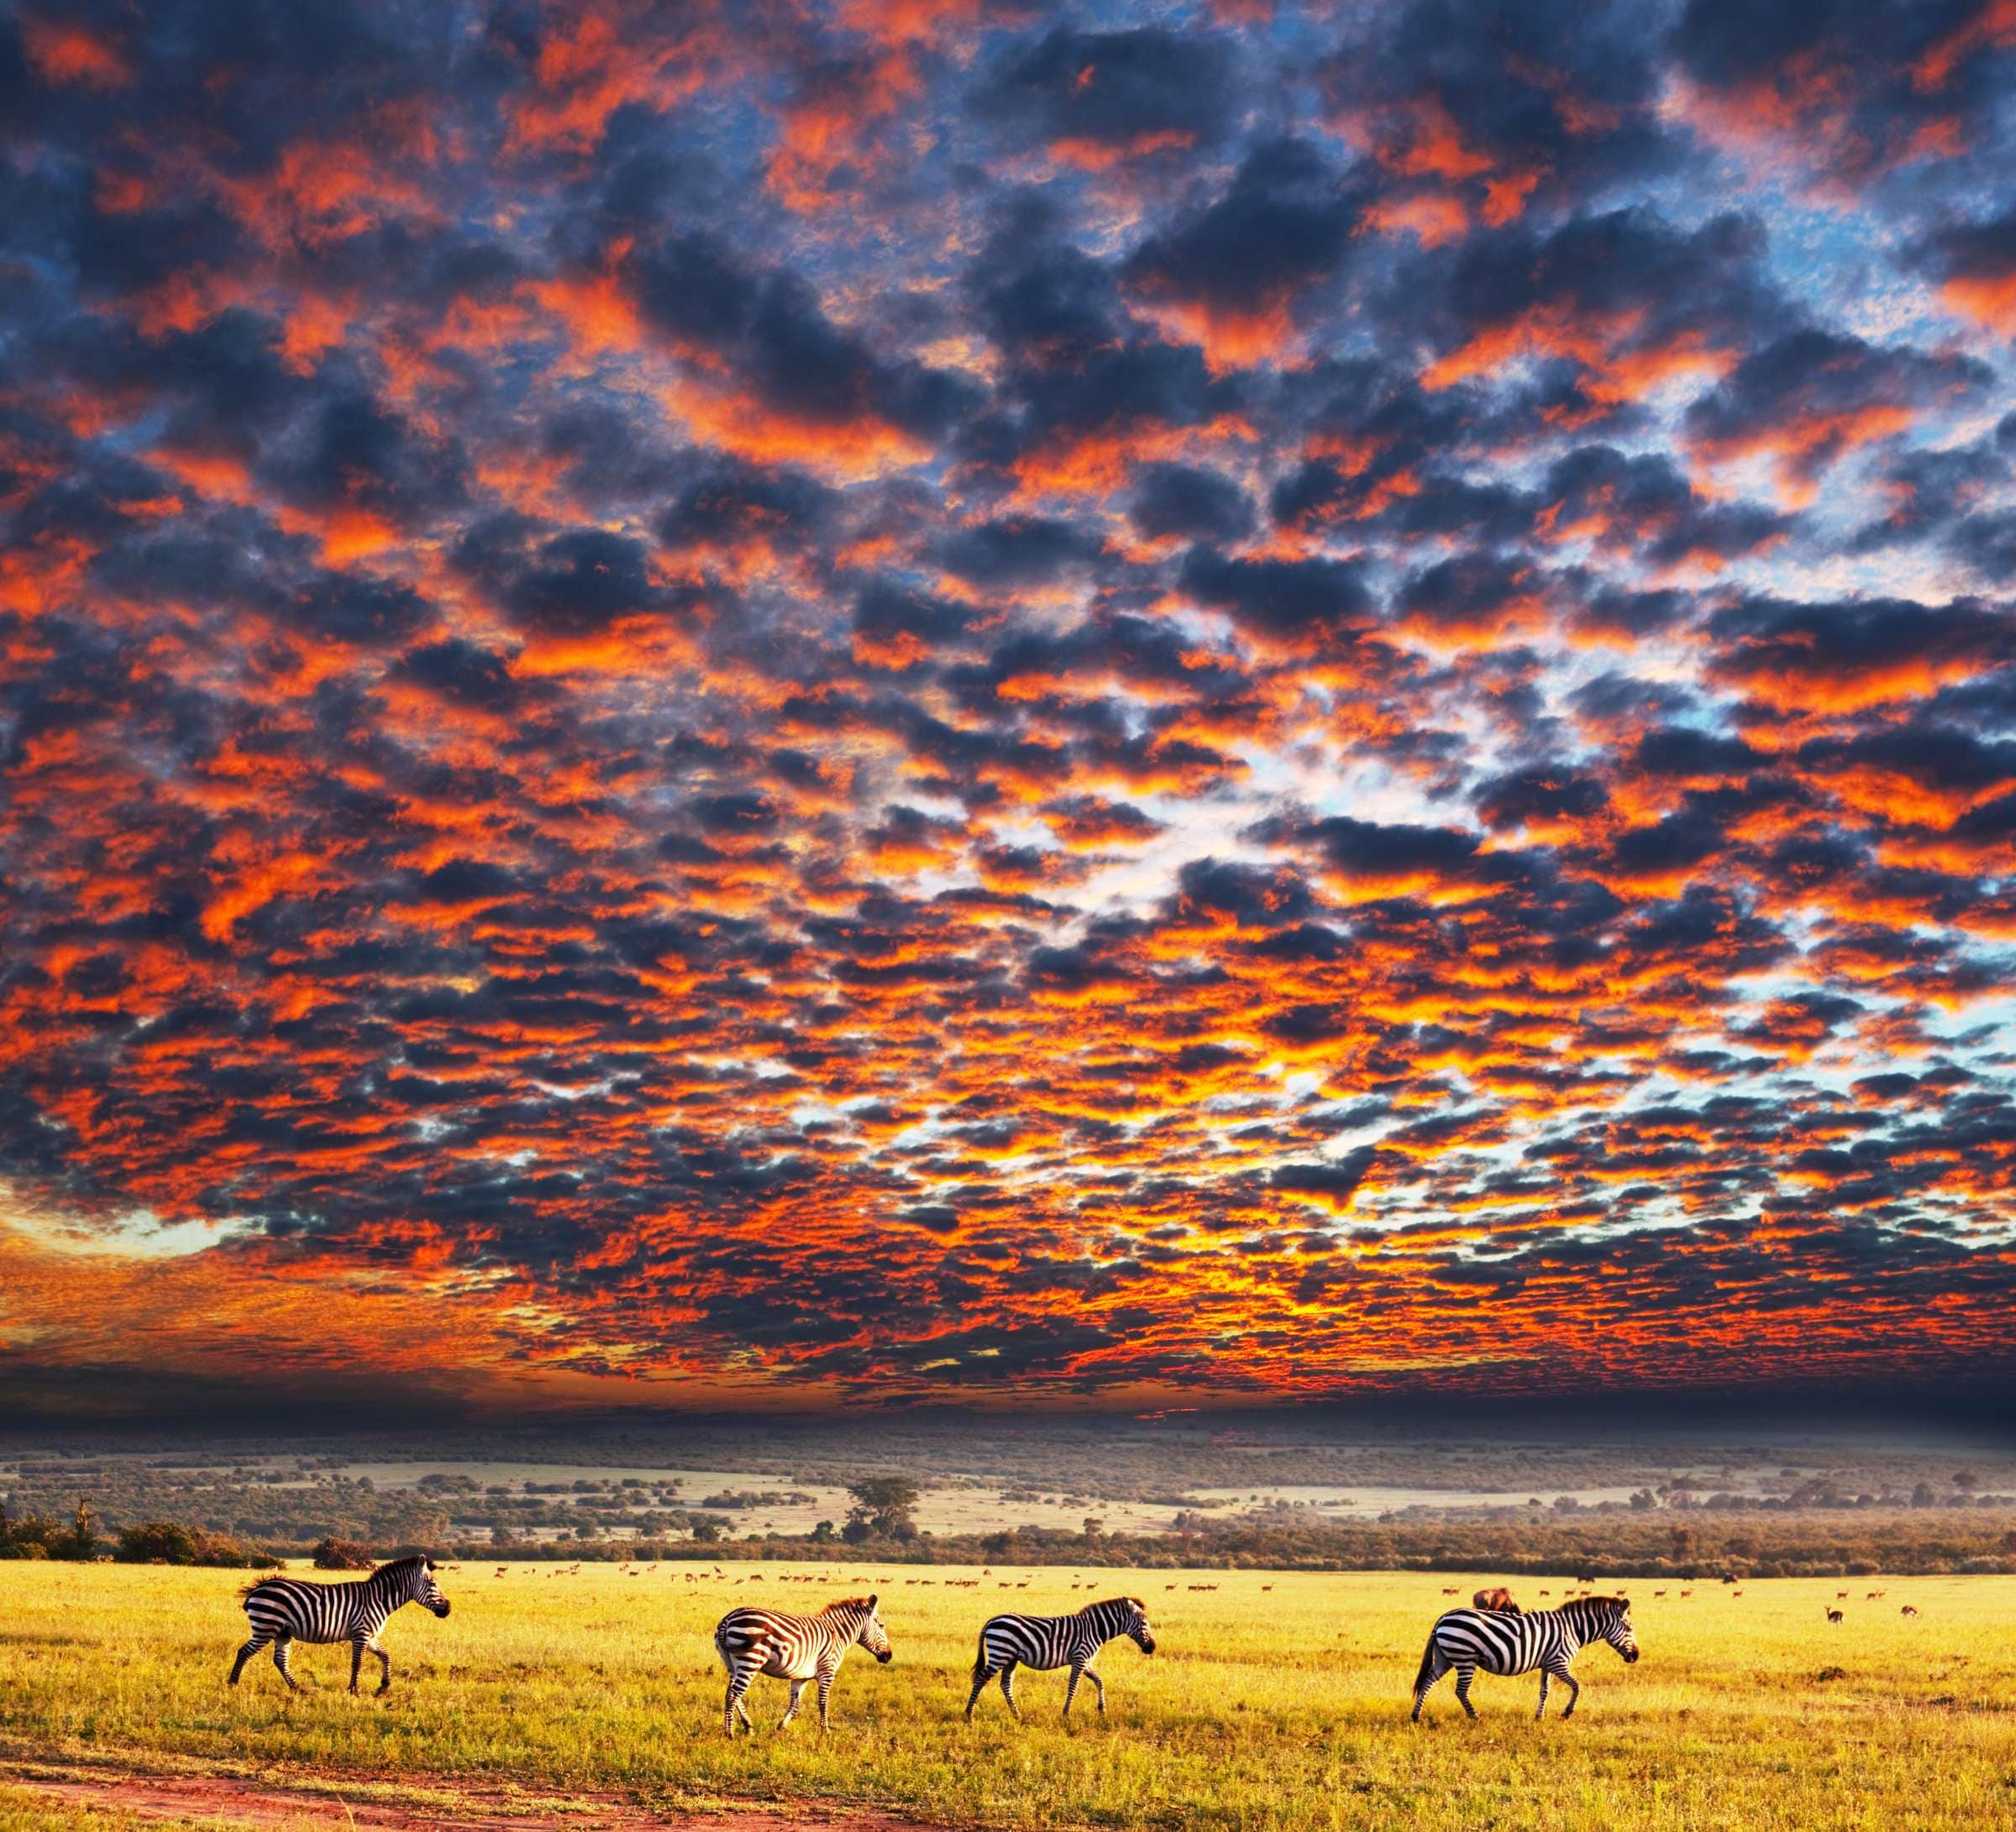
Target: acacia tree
[(885, 1506)]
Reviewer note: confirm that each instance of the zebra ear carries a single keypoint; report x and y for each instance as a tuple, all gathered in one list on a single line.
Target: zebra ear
[(872, 1601)]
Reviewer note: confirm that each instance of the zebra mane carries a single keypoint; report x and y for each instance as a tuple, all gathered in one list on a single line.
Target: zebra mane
[(392, 1566), (847, 1603)]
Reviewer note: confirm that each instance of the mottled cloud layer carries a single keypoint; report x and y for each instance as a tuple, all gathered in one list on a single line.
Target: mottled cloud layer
[(932, 698)]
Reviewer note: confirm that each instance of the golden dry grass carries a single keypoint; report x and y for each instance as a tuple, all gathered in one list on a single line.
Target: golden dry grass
[(1274, 1700)]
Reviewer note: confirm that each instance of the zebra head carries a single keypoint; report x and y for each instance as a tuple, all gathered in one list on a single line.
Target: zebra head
[(868, 1631), (419, 1586), (1615, 1627), (1136, 1624)]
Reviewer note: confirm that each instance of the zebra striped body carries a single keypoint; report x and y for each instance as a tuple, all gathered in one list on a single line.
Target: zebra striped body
[(1546, 1641), (799, 1649), (283, 1611), (1047, 1642)]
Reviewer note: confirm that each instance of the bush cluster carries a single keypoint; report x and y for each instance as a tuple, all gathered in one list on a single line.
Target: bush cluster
[(168, 1543), (150, 1542), (36, 1535)]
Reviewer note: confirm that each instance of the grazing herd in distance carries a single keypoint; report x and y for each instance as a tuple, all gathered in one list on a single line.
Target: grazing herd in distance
[(1494, 1636)]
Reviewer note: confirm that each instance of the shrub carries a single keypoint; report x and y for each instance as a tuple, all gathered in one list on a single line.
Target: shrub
[(335, 1555), (168, 1543), (36, 1535)]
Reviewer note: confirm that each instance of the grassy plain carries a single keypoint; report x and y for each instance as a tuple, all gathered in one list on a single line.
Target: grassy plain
[(1273, 1701)]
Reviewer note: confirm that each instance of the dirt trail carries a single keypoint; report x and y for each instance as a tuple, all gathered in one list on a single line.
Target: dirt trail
[(420, 1804)]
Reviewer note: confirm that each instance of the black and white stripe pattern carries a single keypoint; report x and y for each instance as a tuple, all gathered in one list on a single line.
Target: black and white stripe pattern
[(799, 1649), (1546, 1639), (283, 1611), (1047, 1642)]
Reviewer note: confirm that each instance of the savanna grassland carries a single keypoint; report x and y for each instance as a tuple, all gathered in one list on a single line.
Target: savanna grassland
[(1272, 1702)]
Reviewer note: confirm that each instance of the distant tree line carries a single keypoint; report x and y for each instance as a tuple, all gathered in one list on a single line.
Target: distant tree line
[(1818, 1532), (148, 1542)]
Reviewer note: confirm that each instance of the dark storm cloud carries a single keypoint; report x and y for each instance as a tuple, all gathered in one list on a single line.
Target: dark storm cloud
[(1148, 89)]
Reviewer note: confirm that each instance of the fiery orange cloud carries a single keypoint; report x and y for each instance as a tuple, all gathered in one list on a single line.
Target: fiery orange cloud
[(64, 52)]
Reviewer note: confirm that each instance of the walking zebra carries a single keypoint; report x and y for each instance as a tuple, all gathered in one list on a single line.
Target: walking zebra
[(283, 1611), (1546, 1638), (1047, 1642), (797, 1648)]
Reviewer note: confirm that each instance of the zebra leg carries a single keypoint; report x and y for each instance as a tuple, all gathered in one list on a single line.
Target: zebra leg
[(280, 1660), (1542, 1712), (1008, 1691), (826, 1692), (384, 1677), (1071, 1689), (245, 1654), (738, 1683), (1464, 1674), (1574, 1687), (979, 1685), (356, 1661), (1433, 1667), (790, 1710), (1098, 1686)]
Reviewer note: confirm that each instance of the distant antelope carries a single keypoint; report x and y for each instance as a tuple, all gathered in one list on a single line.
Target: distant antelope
[(1910, 1610), (1840, 1596), (1835, 1616)]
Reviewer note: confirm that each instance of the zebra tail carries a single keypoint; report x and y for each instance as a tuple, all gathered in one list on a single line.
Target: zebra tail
[(980, 1668), (1427, 1671)]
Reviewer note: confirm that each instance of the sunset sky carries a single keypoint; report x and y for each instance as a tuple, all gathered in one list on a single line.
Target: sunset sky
[(772, 705)]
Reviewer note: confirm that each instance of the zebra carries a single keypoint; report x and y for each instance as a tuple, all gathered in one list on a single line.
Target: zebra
[(799, 1649), (1047, 1642), (1546, 1638), (283, 1611)]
